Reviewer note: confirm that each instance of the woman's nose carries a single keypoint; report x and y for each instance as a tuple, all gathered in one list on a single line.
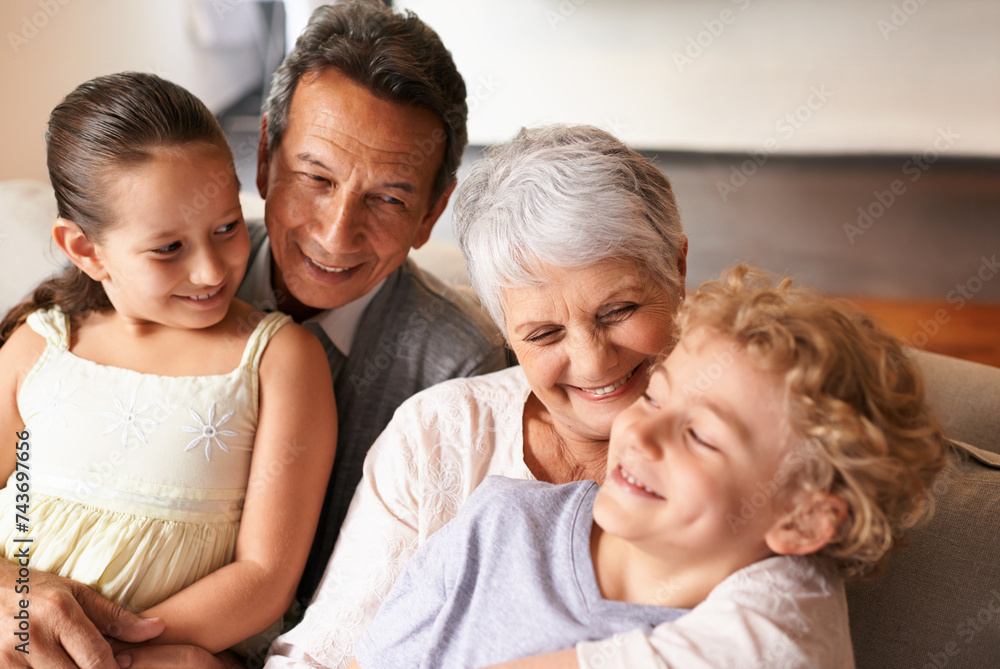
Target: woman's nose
[(594, 359)]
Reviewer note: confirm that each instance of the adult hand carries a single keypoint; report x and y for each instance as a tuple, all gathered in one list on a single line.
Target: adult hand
[(65, 622), (169, 657)]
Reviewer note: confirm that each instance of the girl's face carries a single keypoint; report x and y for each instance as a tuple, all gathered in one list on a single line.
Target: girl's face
[(697, 466), (178, 247)]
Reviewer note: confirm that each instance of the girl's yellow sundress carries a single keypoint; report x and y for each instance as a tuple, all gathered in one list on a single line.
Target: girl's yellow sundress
[(137, 480)]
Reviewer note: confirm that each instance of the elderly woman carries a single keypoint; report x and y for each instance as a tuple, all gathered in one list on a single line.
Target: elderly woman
[(574, 244)]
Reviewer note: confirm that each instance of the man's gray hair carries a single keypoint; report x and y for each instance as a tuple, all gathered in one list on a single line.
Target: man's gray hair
[(569, 197), (396, 56)]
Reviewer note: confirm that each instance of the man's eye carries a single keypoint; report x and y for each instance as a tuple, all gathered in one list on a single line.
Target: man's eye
[(168, 249)]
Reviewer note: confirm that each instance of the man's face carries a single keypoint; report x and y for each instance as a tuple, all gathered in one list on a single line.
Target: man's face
[(348, 191)]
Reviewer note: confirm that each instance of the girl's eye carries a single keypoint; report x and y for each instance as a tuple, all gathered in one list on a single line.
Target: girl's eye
[(648, 398), (168, 249), (228, 227)]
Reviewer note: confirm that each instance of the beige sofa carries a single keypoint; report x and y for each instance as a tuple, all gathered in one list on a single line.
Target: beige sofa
[(938, 603)]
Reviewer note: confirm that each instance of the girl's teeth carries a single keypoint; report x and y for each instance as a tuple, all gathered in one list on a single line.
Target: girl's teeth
[(206, 296), (607, 389)]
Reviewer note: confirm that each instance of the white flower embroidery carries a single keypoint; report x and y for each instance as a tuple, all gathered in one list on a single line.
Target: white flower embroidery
[(54, 404), (442, 490), (128, 418), (209, 431)]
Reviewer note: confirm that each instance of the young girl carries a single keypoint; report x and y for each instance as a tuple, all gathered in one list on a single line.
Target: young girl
[(783, 446), (174, 443)]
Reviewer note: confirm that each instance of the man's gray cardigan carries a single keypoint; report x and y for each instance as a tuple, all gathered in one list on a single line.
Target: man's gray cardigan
[(416, 332)]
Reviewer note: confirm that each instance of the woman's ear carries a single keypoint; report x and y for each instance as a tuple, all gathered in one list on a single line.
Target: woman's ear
[(811, 526), (80, 250)]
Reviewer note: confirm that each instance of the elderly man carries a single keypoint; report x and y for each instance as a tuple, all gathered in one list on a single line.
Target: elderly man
[(362, 134)]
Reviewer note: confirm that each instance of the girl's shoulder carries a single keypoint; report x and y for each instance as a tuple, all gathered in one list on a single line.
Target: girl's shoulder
[(21, 351)]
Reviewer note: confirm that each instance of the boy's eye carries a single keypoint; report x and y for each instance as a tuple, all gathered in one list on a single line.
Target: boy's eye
[(168, 249), (699, 440), (228, 227), (648, 398)]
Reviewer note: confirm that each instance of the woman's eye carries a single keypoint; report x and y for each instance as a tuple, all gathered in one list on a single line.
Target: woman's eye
[(168, 249), (617, 313), (542, 336)]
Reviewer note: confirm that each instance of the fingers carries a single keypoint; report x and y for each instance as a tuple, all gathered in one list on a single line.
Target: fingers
[(168, 657), (115, 621)]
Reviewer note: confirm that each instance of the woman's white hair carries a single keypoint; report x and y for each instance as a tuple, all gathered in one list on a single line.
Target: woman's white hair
[(569, 197)]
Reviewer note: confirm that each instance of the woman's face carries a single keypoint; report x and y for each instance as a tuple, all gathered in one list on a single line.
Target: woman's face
[(586, 339)]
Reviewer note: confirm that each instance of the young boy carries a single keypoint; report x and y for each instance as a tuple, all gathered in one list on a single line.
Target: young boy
[(780, 448)]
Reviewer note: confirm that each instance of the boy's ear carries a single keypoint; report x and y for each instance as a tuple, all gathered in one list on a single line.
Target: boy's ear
[(80, 250), (811, 526)]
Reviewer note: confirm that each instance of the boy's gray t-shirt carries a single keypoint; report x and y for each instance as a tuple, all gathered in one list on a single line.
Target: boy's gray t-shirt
[(510, 576)]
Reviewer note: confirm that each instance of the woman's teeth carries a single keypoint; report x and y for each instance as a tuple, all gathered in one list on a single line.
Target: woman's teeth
[(607, 389)]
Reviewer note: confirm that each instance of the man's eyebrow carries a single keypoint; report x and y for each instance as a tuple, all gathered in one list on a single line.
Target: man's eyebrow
[(312, 160), (309, 158), (400, 185)]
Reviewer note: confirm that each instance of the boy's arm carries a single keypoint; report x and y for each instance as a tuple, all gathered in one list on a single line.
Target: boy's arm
[(780, 612), (292, 458)]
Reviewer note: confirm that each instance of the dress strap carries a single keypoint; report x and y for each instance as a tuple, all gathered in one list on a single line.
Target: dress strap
[(52, 324), (262, 334)]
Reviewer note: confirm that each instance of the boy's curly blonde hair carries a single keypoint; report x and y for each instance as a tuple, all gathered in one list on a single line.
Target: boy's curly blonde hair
[(853, 396)]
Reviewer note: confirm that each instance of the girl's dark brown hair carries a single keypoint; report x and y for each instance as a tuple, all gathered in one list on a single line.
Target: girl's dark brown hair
[(104, 126)]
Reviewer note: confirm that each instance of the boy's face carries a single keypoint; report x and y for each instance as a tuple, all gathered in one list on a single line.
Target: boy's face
[(695, 465)]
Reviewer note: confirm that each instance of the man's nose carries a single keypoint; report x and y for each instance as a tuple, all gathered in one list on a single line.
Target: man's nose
[(341, 220)]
